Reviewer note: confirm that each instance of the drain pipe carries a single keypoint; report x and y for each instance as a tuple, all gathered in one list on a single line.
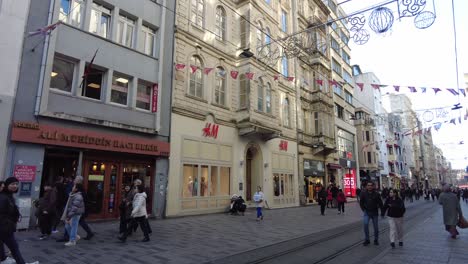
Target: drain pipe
[(40, 87)]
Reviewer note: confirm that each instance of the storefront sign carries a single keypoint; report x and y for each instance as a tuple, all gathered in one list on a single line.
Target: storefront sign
[(99, 178), (25, 173), (52, 135), (211, 130), (313, 168), (350, 183), (283, 145), (154, 104)]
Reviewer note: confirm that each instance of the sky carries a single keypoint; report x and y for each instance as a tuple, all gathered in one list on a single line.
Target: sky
[(409, 56)]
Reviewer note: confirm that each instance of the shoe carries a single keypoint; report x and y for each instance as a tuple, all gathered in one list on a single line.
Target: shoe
[(261, 217), (146, 239), (89, 236), (55, 231), (393, 244), (44, 237), (400, 244), (61, 240), (376, 242), (70, 243), (122, 239), (78, 237), (366, 243), (8, 260)]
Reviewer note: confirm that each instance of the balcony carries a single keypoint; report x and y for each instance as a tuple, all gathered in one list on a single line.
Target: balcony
[(316, 96), (320, 143), (381, 165), (251, 123)]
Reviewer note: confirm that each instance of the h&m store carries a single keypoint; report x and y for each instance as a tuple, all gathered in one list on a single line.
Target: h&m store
[(108, 162)]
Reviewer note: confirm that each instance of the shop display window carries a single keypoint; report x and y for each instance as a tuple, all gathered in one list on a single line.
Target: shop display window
[(225, 181), (205, 180), (214, 180), (283, 184)]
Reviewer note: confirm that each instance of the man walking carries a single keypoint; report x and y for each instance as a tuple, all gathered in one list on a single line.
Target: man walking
[(322, 200), (370, 203), (451, 210)]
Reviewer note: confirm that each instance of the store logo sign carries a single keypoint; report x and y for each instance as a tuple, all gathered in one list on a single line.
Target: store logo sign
[(211, 130), (283, 145)]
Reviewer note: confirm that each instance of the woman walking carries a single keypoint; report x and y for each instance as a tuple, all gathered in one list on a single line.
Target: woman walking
[(341, 199), (395, 208), (73, 210), (258, 199), (125, 209), (9, 216), (138, 215), (46, 211), (329, 197)]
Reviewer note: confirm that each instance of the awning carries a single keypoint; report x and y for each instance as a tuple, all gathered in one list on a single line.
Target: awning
[(334, 166)]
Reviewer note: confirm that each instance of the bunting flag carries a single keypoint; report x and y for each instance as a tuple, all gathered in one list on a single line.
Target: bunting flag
[(179, 67), (459, 120), (437, 126), (319, 82), (361, 86), (423, 89), (375, 86), (332, 82), (249, 75), (436, 90), (45, 30), (207, 70), (412, 89), (234, 74), (275, 78), (193, 68), (453, 121), (452, 91), (290, 79), (462, 91), (397, 88)]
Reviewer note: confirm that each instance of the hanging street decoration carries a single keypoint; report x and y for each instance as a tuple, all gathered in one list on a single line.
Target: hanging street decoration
[(410, 8), (424, 20), (381, 20)]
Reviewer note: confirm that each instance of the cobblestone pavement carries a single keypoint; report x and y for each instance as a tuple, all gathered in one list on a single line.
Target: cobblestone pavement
[(194, 239), (429, 243)]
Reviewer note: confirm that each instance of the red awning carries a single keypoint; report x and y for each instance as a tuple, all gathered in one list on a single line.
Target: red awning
[(334, 166)]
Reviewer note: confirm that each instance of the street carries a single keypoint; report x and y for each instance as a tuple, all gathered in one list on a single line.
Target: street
[(292, 235)]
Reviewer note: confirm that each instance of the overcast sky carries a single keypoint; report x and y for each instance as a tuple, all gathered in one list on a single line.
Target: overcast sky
[(409, 56)]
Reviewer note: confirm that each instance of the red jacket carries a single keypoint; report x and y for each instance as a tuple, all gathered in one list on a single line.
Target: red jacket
[(341, 197), (329, 196)]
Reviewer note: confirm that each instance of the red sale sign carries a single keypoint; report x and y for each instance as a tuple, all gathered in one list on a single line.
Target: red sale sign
[(350, 183), (25, 173)]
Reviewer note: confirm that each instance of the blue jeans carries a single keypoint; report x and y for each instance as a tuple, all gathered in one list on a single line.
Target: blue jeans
[(10, 241), (72, 227), (259, 212), (375, 223)]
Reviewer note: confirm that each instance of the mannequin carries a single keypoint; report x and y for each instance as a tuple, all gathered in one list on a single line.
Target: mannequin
[(190, 186)]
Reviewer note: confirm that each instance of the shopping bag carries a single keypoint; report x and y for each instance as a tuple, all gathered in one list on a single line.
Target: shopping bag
[(462, 223)]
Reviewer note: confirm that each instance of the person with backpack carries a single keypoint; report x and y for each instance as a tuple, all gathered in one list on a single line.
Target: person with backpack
[(370, 203), (9, 216), (395, 208), (341, 199), (258, 199)]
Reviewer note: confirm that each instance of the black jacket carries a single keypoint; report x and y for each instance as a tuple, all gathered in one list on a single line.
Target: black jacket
[(394, 207), (322, 197), (9, 214), (371, 202)]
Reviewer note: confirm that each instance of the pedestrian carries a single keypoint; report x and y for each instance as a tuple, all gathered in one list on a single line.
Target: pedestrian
[(395, 208), (465, 195), (9, 216), (341, 199), (125, 209), (334, 190), (138, 214), (451, 210), (370, 204), (62, 198), (73, 210), (46, 211), (258, 198), (329, 197), (358, 194), (322, 199)]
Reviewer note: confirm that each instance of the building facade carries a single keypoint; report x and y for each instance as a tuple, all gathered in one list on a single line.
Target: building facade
[(234, 108), (94, 100)]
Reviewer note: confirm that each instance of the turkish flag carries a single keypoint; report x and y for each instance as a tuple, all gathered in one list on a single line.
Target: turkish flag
[(361, 86), (319, 82), (194, 68), (207, 70), (234, 74), (249, 75), (180, 66)]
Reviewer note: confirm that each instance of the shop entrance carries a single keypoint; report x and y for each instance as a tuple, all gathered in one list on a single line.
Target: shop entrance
[(314, 185), (253, 171)]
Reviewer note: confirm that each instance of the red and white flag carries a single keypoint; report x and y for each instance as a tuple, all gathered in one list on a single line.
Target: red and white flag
[(180, 66), (193, 68), (397, 88), (276, 77), (234, 74), (319, 82), (45, 30), (249, 75), (332, 82), (290, 79), (361, 86), (207, 70)]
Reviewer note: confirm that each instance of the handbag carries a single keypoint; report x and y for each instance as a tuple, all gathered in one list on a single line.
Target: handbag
[(462, 223)]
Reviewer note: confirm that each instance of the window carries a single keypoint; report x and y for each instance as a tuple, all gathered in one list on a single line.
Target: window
[(284, 66), (125, 29), (61, 77), (346, 57), (316, 123), (119, 90), (335, 45), (268, 42), (268, 98), (369, 157), (348, 97), (147, 39), (198, 12), (268, 2), (259, 38), (100, 20), (336, 66), (347, 77), (284, 21), (338, 89), (260, 95), (220, 86), (92, 85), (367, 136), (286, 116), (344, 38), (339, 111), (70, 12), (196, 78), (205, 181), (220, 23), (283, 184), (144, 92), (243, 91)]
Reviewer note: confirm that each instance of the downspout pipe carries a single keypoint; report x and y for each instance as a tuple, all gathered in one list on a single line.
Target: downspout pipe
[(43, 62)]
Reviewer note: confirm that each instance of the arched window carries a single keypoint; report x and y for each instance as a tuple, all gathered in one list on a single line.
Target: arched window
[(268, 42), (260, 95), (268, 98), (243, 91), (198, 12), (284, 66), (286, 121), (220, 23), (220, 86), (196, 78), (259, 37)]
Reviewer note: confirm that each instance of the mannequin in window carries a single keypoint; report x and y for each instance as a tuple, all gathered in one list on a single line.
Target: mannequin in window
[(195, 187), (190, 186), (203, 187)]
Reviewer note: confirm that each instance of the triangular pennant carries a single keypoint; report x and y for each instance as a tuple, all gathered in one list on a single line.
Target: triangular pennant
[(397, 88), (361, 86), (375, 86), (332, 82), (290, 79), (234, 74), (423, 89), (412, 89), (436, 90), (193, 68), (462, 91), (453, 121), (304, 81), (452, 91), (249, 75), (319, 82), (276, 77), (207, 70), (437, 126), (180, 66)]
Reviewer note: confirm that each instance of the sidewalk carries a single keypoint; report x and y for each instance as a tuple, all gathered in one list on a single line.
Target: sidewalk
[(194, 239), (428, 243)]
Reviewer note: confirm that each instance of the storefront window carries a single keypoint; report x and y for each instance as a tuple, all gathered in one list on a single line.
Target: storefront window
[(214, 181), (95, 190), (276, 185), (225, 181), (190, 181), (283, 184), (205, 183)]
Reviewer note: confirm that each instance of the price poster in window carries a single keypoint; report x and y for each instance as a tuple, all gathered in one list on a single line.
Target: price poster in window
[(350, 183)]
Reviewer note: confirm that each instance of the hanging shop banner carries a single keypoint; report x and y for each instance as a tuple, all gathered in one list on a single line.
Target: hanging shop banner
[(154, 104), (350, 183)]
